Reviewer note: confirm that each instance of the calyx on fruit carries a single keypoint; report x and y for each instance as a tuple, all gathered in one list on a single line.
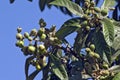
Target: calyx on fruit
[(19, 29), (31, 49), (19, 36)]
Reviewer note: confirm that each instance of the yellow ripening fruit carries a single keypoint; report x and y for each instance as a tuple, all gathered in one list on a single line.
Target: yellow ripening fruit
[(87, 50), (31, 49), (38, 67), (92, 47), (33, 32), (43, 36), (96, 55), (97, 9), (26, 34), (104, 12), (91, 54), (19, 36), (20, 44), (41, 47), (19, 29)]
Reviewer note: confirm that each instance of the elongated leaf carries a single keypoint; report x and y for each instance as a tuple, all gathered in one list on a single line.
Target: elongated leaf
[(117, 77), (71, 6), (33, 75), (12, 1), (27, 64), (68, 27), (57, 68), (115, 69), (108, 31), (108, 3), (42, 4)]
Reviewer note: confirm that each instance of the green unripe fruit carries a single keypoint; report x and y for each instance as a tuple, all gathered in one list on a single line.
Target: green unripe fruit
[(97, 9), (43, 37), (104, 12), (31, 49), (92, 47), (87, 50), (26, 34), (20, 44), (19, 36), (38, 67), (105, 66), (33, 32), (19, 29), (41, 31), (30, 38), (87, 28), (84, 23), (96, 55)]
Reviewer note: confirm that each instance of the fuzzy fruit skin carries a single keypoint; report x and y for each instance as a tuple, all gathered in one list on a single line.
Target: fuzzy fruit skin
[(43, 37), (33, 32), (20, 44), (19, 36), (26, 34), (104, 12), (92, 47), (97, 9), (19, 29), (31, 49)]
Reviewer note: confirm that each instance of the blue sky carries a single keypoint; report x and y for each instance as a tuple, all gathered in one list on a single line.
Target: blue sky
[(25, 14)]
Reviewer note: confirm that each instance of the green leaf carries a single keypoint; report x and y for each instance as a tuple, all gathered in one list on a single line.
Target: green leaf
[(33, 75), (115, 69), (27, 64), (42, 4), (12, 1), (105, 58), (71, 6), (108, 3), (117, 77), (108, 31), (58, 68), (68, 27)]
